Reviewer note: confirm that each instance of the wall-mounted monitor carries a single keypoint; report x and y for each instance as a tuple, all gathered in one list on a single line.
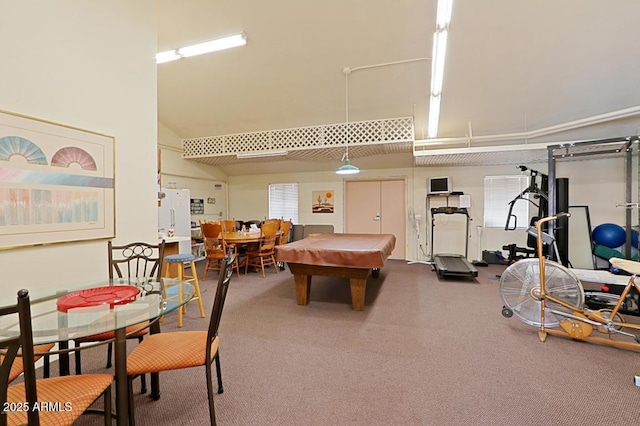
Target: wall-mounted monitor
[(439, 185)]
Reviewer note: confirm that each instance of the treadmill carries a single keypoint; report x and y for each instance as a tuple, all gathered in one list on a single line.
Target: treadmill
[(452, 265)]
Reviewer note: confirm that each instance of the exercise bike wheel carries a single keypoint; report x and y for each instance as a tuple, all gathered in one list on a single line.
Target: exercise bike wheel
[(520, 291)]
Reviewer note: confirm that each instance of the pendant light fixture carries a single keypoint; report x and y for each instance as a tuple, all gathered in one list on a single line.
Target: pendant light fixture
[(347, 168)]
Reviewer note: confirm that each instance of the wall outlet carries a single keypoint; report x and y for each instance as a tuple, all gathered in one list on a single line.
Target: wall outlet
[(637, 380)]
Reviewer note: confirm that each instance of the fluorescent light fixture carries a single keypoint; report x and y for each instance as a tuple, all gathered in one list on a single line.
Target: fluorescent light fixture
[(201, 48), (434, 116), (437, 61), (443, 19), (167, 56), (260, 154), (347, 169), (213, 45), (443, 14)]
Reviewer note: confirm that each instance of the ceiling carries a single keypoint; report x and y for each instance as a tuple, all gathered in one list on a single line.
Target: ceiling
[(515, 73)]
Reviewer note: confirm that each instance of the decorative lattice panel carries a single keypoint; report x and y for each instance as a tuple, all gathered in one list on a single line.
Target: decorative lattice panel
[(325, 142), (498, 155), (483, 158)]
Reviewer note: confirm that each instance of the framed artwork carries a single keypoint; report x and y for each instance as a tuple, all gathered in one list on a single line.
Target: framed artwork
[(322, 201), (56, 182)]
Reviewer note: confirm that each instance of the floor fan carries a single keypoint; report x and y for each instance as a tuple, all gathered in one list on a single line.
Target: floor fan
[(479, 261)]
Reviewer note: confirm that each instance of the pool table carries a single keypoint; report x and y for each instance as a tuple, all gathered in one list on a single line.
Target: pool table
[(336, 255)]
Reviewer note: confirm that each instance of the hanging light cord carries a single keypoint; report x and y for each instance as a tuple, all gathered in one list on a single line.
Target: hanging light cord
[(346, 71)]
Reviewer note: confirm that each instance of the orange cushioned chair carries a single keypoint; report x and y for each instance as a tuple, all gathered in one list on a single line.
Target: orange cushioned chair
[(135, 260), (73, 394), (184, 349), (18, 367)]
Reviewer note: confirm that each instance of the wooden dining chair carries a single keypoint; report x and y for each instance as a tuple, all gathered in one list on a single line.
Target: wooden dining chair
[(285, 231), (70, 396), (134, 260), (228, 225), (184, 349), (235, 249), (283, 236), (264, 254), (278, 221), (213, 245), (231, 226)]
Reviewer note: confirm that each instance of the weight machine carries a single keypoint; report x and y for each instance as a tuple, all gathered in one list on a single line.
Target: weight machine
[(537, 191)]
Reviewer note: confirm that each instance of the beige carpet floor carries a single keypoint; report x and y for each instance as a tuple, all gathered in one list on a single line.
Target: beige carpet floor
[(424, 351)]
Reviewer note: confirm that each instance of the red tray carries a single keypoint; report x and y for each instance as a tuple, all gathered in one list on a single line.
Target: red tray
[(112, 295)]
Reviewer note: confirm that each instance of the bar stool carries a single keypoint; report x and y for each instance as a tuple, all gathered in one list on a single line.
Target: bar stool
[(180, 260)]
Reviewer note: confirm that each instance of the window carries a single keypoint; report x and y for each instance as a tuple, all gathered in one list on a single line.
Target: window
[(283, 201), (499, 191)]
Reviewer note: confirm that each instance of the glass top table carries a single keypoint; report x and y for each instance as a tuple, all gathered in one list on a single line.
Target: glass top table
[(54, 325), (50, 324)]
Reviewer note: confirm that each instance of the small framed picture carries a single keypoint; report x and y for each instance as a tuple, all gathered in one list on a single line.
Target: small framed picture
[(322, 202)]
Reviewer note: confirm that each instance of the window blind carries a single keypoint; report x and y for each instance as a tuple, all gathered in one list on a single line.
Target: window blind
[(283, 201), (498, 192)]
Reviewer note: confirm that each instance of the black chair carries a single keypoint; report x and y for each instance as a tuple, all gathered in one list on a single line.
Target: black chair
[(184, 349), (73, 394), (248, 223), (134, 260)]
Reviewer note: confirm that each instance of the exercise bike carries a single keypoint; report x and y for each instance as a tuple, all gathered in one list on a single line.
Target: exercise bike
[(545, 294)]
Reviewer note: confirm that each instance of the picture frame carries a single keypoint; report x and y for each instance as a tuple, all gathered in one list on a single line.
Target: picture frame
[(57, 182), (322, 201), (197, 206)]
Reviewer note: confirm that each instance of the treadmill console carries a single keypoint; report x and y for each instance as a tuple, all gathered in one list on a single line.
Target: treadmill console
[(449, 210)]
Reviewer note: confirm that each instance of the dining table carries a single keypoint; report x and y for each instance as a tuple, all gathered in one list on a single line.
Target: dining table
[(67, 312), (242, 237)]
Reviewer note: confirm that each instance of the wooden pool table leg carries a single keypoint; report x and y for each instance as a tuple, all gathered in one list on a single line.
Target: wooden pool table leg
[(303, 288), (358, 286)]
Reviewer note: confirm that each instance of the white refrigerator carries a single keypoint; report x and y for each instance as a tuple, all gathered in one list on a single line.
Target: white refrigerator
[(175, 213)]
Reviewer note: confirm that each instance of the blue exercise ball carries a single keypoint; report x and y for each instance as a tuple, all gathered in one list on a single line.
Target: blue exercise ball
[(609, 235)]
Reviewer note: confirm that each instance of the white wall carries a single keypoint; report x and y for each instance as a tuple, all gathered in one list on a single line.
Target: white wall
[(88, 65), (204, 181), (249, 195), (596, 183), (249, 199)]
